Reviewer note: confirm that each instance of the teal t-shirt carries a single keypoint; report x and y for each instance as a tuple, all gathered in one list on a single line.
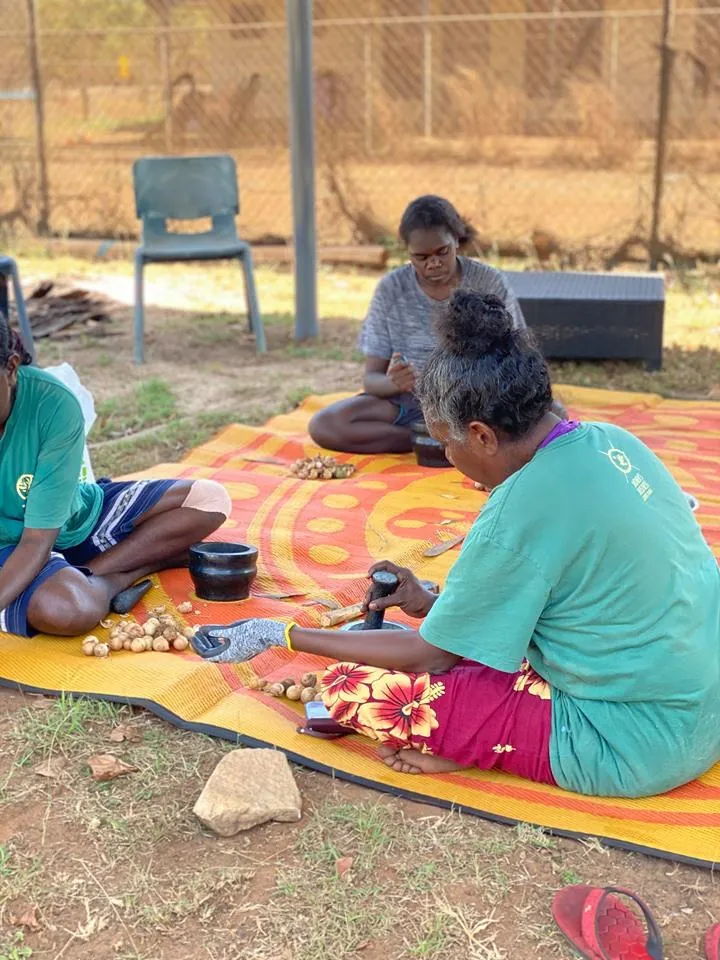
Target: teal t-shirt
[(41, 453), (589, 562)]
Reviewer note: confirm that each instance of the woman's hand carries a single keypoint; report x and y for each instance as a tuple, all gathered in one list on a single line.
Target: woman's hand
[(411, 596), (248, 638), (401, 374)]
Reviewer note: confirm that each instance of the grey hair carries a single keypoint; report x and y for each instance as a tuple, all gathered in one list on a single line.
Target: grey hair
[(484, 369)]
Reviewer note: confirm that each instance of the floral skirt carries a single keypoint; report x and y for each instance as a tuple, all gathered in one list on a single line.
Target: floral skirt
[(472, 715)]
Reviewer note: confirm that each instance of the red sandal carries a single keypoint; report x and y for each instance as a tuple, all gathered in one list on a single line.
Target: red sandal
[(712, 942), (599, 925)]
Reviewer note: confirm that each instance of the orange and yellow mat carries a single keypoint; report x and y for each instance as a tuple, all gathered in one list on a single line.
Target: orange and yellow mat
[(316, 541)]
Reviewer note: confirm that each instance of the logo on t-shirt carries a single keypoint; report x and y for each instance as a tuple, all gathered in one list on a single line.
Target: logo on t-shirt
[(23, 484), (620, 460)]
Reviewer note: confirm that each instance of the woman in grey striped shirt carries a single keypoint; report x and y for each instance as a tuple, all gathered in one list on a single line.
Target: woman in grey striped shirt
[(398, 335)]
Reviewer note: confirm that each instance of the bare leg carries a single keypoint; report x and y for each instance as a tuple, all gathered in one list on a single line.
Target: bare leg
[(360, 425), (69, 603), (161, 536), (408, 760)]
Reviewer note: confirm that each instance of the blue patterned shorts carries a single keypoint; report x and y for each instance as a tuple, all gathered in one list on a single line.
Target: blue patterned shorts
[(123, 503)]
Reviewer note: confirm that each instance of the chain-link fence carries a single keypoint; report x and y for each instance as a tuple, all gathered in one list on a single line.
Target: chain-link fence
[(537, 118)]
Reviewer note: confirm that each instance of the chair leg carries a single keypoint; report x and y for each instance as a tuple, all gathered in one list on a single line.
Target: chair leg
[(247, 296), (25, 328), (139, 321), (253, 307)]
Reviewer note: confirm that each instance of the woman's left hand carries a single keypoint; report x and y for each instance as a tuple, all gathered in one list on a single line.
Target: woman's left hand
[(248, 638)]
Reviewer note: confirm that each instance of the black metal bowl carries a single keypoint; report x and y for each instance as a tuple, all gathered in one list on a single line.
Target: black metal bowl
[(223, 571), (428, 452)]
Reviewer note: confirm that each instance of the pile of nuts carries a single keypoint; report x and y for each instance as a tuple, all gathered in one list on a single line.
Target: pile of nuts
[(305, 689), (321, 468), (161, 632)]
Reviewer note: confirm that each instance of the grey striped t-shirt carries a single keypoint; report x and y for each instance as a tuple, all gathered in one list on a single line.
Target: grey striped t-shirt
[(402, 316)]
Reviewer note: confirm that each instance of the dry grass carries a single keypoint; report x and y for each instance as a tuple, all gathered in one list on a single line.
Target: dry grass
[(510, 185)]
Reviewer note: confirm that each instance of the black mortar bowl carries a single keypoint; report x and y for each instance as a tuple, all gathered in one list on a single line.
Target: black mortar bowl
[(428, 452), (223, 571)]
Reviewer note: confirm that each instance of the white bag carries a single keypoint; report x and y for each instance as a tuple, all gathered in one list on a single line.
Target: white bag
[(65, 373)]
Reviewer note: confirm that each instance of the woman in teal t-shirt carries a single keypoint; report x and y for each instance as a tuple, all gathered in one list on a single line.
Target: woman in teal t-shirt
[(69, 551), (577, 640)]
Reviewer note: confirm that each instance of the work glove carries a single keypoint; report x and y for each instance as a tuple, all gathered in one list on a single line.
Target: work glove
[(239, 641)]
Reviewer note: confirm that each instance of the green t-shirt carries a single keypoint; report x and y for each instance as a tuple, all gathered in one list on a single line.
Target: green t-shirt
[(589, 562), (41, 452)]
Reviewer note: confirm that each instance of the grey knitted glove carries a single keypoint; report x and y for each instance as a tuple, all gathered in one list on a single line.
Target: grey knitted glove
[(248, 638)]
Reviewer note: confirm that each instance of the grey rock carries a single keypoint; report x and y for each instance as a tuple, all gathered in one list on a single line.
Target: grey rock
[(247, 788)]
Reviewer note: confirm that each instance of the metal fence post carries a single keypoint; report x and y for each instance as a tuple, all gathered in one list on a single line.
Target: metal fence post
[(369, 87), (43, 219), (427, 73), (299, 28), (667, 56)]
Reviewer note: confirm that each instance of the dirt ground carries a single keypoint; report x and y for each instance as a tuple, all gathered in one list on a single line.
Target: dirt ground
[(123, 869)]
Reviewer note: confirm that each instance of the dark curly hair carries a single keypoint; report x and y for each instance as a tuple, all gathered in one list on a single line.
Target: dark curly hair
[(484, 369), (430, 212), (11, 345)]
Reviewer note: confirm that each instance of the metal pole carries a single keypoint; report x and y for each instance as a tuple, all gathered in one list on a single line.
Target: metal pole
[(427, 73), (614, 55), (43, 220), (667, 55), (369, 89), (300, 78), (166, 71)]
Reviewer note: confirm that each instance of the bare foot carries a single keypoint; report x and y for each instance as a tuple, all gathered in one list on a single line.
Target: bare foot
[(407, 760)]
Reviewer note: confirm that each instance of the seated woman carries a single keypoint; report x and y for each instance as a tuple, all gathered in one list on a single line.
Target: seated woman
[(398, 335), (68, 550), (577, 640)]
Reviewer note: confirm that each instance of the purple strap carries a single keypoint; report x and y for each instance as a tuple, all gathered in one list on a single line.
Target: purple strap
[(559, 430)]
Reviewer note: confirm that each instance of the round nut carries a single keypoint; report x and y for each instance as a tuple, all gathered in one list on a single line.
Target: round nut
[(307, 694), (287, 682), (308, 680), (137, 645), (88, 649), (160, 645), (294, 692), (127, 643), (115, 643), (275, 689), (101, 650), (91, 639), (184, 607), (180, 643)]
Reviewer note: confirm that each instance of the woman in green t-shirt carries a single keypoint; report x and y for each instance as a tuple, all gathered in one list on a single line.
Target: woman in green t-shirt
[(577, 639), (71, 551)]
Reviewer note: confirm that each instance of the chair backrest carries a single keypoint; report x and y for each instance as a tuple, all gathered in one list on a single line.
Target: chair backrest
[(185, 188)]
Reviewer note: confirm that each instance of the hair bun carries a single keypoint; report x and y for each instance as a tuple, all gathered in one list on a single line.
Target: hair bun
[(476, 325)]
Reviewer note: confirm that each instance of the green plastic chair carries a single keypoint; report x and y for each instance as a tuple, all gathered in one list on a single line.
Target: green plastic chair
[(187, 188)]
